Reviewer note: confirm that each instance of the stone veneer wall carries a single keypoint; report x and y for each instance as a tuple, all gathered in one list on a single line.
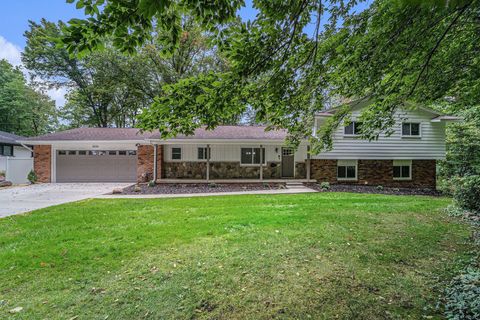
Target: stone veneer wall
[(226, 170), (145, 158), (377, 172), (42, 162)]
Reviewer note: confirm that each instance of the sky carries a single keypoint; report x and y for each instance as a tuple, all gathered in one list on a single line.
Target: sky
[(15, 15)]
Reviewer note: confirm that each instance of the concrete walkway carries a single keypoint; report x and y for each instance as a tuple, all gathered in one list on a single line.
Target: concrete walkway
[(21, 199), (208, 194)]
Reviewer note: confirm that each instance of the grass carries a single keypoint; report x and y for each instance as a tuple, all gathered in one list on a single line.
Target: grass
[(319, 256)]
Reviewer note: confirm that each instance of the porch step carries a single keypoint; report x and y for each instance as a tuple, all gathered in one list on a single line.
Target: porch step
[(295, 185)]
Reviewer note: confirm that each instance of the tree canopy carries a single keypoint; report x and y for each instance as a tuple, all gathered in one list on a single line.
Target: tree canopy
[(296, 55), (109, 88), (23, 110)]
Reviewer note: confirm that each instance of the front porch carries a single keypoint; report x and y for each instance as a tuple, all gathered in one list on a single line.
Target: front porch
[(236, 162)]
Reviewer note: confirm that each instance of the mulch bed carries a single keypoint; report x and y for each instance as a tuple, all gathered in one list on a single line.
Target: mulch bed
[(181, 188), (374, 189)]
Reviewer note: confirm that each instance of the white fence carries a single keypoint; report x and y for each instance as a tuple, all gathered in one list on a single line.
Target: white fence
[(16, 168)]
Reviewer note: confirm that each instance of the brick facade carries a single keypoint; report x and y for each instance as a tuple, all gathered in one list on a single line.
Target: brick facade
[(377, 172), (42, 162), (145, 160)]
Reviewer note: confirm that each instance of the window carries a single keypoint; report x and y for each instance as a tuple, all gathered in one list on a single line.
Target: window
[(402, 169), (122, 153), (202, 153), (62, 152), (72, 153), (354, 128), (6, 151), (347, 169), (411, 129), (112, 153), (82, 153), (251, 156), (287, 151), (176, 153), (132, 152)]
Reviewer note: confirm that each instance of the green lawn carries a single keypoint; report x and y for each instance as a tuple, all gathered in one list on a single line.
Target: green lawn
[(323, 255)]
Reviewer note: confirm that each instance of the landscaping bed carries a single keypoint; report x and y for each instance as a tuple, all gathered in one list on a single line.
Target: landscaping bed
[(182, 188), (374, 189)]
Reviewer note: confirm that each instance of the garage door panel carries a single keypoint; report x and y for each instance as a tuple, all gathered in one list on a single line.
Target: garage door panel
[(96, 168)]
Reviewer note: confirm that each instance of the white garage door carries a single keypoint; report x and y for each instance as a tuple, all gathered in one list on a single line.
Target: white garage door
[(96, 165)]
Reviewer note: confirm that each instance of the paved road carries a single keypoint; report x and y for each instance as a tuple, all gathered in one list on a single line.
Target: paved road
[(27, 198)]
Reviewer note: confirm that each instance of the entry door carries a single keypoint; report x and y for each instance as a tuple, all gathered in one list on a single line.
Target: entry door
[(288, 162)]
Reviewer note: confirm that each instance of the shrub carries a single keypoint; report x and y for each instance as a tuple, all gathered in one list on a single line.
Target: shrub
[(467, 193), (151, 183), (32, 177), (462, 296), (379, 188), (325, 185), (212, 185)]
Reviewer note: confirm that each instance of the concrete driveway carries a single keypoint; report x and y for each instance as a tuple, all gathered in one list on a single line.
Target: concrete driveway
[(27, 198)]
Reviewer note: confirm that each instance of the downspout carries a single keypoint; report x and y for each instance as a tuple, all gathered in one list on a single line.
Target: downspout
[(26, 147), (155, 147)]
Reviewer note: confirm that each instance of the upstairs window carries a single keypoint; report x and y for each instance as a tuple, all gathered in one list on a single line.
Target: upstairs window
[(176, 153), (202, 153), (252, 156), (410, 129), (354, 128), (347, 169), (402, 169)]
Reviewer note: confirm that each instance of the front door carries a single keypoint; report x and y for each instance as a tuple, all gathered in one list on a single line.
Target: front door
[(288, 163)]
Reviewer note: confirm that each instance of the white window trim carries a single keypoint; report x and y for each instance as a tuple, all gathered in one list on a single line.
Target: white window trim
[(171, 154), (205, 149), (402, 163), (351, 135), (354, 162), (264, 164), (406, 136)]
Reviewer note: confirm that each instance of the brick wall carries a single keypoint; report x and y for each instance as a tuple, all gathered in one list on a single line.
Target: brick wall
[(145, 159), (377, 172), (42, 162)]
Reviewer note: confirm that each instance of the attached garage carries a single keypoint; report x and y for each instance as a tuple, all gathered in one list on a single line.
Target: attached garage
[(96, 165)]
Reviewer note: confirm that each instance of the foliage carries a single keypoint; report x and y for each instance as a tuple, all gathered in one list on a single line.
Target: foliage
[(467, 193), (152, 183), (32, 177), (325, 185), (106, 87), (463, 146), (23, 110), (462, 301), (379, 188), (296, 56), (230, 257)]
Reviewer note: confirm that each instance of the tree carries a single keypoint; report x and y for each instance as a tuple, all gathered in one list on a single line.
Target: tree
[(107, 87), (295, 54), (23, 110)]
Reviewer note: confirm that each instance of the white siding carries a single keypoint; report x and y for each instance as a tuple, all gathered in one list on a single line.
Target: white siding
[(431, 144), (21, 152), (230, 152)]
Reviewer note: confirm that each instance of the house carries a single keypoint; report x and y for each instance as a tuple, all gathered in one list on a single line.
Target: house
[(15, 159), (239, 153)]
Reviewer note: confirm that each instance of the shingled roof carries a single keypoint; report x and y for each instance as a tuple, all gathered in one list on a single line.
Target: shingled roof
[(232, 133), (129, 134), (94, 134), (10, 138)]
